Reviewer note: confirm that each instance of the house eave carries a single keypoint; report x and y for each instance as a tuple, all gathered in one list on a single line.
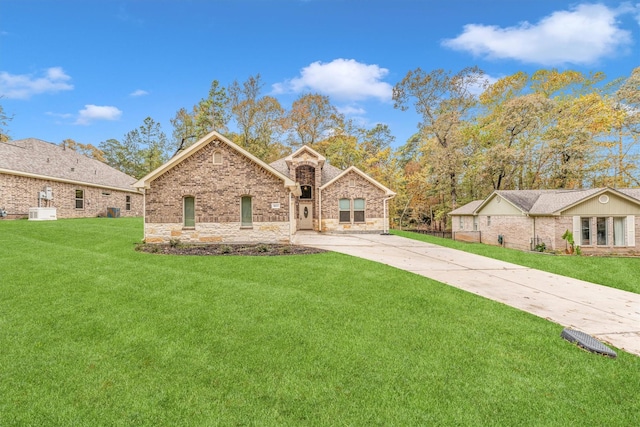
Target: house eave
[(145, 182), (68, 181), (387, 191)]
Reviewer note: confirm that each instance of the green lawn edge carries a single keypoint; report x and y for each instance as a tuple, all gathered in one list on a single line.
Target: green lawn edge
[(94, 333)]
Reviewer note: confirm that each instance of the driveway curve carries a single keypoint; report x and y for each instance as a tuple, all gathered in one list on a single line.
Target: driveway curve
[(611, 315)]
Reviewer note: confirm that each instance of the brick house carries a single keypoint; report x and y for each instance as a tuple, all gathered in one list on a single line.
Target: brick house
[(602, 220), (215, 191), (39, 174)]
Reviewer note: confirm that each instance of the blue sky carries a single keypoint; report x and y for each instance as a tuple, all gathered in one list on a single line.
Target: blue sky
[(94, 70)]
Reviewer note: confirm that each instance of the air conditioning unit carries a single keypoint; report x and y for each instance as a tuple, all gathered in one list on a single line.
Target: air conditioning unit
[(42, 214)]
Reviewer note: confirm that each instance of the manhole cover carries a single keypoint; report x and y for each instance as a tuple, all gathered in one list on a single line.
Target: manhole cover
[(587, 342)]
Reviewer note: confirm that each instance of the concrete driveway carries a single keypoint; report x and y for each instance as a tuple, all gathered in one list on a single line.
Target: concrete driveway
[(611, 315)]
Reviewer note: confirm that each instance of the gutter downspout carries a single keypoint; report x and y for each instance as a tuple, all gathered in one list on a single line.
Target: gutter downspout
[(144, 214), (291, 220), (385, 223), (319, 210)]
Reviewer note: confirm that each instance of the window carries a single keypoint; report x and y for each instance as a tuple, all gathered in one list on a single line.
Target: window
[(488, 221), (246, 214), (306, 192), (475, 223), (358, 210), (585, 231), (189, 212), (461, 223), (79, 199), (619, 231), (127, 204), (345, 210), (601, 231), (217, 158)]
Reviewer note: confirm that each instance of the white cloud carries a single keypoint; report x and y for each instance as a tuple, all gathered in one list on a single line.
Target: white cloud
[(60, 115), (23, 86), (139, 92), (582, 35), (352, 110), (92, 113), (342, 79)]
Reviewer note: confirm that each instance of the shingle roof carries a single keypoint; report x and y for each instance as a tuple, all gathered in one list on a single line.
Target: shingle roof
[(37, 157), (550, 202), (328, 171), (467, 209)]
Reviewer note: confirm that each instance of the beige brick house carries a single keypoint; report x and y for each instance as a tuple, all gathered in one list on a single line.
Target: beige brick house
[(215, 191), (38, 176), (602, 220)]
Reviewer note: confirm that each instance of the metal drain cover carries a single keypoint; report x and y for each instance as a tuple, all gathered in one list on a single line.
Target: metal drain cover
[(587, 342)]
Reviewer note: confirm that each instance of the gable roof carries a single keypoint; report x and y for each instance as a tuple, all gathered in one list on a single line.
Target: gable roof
[(328, 171), (203, 142), (550, 202), (39, 159), (305, 148), (362, 174), (468, 209)]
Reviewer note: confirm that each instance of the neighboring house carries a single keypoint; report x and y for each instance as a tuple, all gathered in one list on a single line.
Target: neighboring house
[(215, 191), (38, 174), (602, 220)]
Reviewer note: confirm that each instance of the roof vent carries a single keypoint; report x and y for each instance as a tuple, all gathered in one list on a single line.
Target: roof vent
[(603, 199)]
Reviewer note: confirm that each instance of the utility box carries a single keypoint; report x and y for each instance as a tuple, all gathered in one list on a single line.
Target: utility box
[(42, 214), (113, 212)]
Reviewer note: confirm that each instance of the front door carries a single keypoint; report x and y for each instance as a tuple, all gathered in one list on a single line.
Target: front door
[(305, 216)]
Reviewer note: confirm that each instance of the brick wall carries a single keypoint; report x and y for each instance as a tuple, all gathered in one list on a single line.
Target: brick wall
[(19, 193), (217, 190), (362, 188)]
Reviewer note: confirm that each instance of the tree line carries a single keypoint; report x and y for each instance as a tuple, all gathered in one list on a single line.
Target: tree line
[(549, 129)]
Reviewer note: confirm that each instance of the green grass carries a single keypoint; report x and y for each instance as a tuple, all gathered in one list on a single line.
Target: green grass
[(616, 272), (93, 333)]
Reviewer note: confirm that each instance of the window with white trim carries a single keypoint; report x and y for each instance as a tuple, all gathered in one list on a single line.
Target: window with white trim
[(344, 207), (246, 213), (619, 230), (189, 211), (605, 231), (358, 210), (602, 231), (79, 199), (585, 231)]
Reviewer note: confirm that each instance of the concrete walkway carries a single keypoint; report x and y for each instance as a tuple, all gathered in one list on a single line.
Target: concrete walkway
[(611, 315)]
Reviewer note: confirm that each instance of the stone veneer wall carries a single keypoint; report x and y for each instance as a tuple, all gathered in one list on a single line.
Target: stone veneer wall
[(362, 189), (263, 232), (19, 193), (217, 190)]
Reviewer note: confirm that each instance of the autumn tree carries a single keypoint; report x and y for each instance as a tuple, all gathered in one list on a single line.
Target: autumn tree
[(141, 151), (506, 130), (88, 150), (623, 155), (444, 102), (311, 118), (4, 121), (258, 118), (209, 114)]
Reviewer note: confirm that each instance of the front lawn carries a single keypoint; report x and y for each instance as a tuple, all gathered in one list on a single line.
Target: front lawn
[(616, 272), (94, 333)]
